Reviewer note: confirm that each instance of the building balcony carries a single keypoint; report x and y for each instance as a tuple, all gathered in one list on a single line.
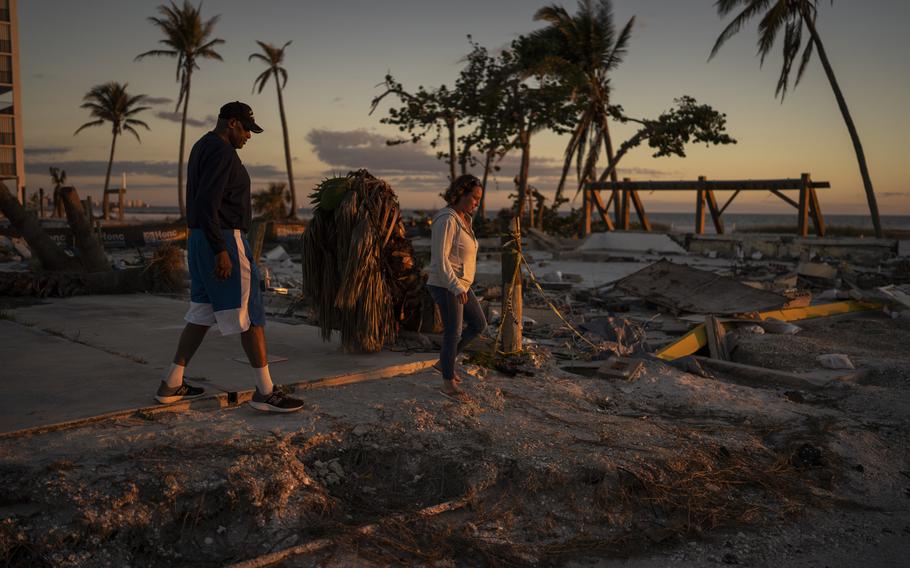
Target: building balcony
[(7, 169), (6, 77), (6, 46), (4, 14)]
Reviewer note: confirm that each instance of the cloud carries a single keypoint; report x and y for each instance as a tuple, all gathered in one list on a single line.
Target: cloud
[(158, 100), (88, 168), (47, 150), (178, 117), (891, 194)]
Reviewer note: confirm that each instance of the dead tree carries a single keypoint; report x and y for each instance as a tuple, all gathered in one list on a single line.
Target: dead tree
[(43, 247), (91, 251)]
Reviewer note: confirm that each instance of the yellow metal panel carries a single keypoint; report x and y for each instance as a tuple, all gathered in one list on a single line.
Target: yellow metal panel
[(686, 345), (820, 311)]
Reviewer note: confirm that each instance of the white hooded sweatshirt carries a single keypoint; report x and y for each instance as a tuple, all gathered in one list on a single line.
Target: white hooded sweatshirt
[(453, 254)]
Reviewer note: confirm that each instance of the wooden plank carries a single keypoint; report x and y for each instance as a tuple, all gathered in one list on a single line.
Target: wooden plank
[(785, 198), (816, 211), (640, 210), (729, 201), (751, 375), (602, 209), (700, 207), (802, 222), (715, 212), (714, 185), (624, 225), (586, 212), (717, 346)]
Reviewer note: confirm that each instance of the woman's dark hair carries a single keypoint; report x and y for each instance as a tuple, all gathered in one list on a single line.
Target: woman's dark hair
[(459, 187)]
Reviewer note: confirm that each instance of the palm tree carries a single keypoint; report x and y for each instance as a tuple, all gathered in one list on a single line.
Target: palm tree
[(272, 203), (790, 16), (582, 49), (188, 39), (273, 57), (111, 103)]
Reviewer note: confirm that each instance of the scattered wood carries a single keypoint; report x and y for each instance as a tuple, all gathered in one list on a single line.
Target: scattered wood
[(620, 368)]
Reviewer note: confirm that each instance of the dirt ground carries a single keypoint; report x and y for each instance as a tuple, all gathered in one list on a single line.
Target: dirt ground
[(547, 468)]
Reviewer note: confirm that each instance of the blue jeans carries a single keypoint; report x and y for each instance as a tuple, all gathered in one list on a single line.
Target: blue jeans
[(454, 315)]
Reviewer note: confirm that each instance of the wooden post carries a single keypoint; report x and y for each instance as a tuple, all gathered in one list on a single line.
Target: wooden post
[(700, 207), (715, 212), (586, 212), (602, 209), (41, 203), (511, 294), (815, 209), (640, 210), (715, 331), (625, 204), (803, 221)]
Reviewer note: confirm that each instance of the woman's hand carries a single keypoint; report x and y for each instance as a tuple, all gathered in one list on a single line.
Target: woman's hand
[(463, 298)]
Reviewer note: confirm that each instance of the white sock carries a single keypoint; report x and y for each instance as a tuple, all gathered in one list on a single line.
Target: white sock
[(263, 380), (174, 376)]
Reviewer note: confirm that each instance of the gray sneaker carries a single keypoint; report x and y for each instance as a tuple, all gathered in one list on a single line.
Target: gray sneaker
[(170, 395), (278, 401)]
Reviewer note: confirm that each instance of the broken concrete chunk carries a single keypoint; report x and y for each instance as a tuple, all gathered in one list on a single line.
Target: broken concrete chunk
[(818, 270), (631, 242), (835, 361), (773, 325), (277, 254)]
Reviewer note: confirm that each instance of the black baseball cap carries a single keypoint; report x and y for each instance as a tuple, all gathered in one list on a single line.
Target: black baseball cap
[(241, 112)]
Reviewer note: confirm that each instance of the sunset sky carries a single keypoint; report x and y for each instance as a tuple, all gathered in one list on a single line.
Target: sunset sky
[(342, 49)]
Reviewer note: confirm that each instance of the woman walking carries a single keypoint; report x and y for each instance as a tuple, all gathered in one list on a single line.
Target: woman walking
[(453, 263)]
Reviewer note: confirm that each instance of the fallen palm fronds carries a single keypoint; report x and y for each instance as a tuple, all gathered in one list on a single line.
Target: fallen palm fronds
[(358, 265)]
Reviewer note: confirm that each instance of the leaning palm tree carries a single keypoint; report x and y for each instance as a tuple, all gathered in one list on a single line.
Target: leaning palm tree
[(188, 39), (790, 16), (111, 103), (274, 57), (582, 49)]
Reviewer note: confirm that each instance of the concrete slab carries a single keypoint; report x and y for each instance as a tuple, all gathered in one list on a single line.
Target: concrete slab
[(631, 242), (95, 354)]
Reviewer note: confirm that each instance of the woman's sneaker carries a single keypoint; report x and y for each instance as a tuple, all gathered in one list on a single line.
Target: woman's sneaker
[(170, 395), (275, 402)]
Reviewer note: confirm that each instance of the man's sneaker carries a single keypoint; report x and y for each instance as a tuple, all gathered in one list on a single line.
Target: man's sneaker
[(170, 395), (275, 402)]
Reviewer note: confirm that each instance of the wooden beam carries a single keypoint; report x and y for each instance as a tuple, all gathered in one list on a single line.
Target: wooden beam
[(685, 345), (717, 346), (758, 376), (729, 201), (714, 185), (640, 210), (816, 211), (802, 221), (602, 209), (586, 212), (785, 198), (700, 207), (715, 212), (624, 225)]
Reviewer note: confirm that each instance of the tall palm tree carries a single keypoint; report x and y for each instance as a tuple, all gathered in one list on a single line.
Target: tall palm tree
[(111, 103), (188, 38), (274, 57), (790, 16), (583, 49)]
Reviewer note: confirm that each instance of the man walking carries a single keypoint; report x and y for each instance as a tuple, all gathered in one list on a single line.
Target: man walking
[(225, 289)]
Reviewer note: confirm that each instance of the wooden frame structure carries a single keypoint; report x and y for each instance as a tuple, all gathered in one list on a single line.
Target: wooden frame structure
[(625, 193)]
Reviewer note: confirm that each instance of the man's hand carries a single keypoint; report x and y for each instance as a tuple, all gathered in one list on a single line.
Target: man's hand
[(463, 298), (223, 265)]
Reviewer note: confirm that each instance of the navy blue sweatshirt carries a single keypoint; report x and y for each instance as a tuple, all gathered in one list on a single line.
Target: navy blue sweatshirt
[(217, 190)]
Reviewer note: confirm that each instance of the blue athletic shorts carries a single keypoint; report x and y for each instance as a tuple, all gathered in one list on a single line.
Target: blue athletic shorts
[(233, 304)]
